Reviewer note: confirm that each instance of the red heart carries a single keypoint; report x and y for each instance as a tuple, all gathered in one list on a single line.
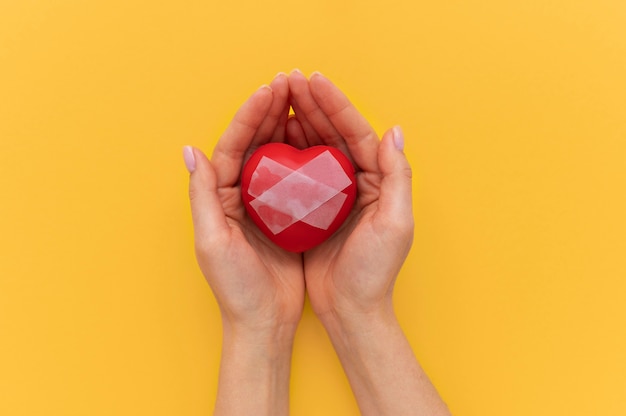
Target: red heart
[(298, 198)]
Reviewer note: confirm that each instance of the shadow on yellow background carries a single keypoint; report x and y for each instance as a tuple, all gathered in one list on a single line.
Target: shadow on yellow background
[(513, 296)]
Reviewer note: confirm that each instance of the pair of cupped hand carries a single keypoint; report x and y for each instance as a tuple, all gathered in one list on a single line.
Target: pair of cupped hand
[(259, 286)]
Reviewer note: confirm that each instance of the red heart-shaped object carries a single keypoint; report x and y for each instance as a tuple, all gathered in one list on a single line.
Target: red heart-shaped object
[(298, 198)]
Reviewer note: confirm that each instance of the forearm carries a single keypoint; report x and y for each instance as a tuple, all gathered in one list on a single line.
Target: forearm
[(383, 372), (254, 373)]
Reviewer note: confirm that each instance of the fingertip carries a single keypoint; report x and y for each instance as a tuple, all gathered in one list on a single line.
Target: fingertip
[(202, 170), (394, 139), (280, 78), (280, 74), (265, 93), (317, 77), (392, 155), (280, 85), (398, 138), (202, 183), (320, 81), (329, 97), (256, 106), (189, 158), (296, 76)]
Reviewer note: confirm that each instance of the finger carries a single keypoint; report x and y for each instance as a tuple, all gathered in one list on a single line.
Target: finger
[(310, 135), (360, 137), (209, 220), (299, 88), (295, 134), (311, 111), (231, 149), (396, 202), (271, 123)]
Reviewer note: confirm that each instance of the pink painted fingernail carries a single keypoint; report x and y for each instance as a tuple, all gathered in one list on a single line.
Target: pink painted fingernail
[(398, 138), (190, 159)]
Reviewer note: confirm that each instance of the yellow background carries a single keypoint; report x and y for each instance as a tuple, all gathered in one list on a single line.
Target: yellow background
[(513, 296)]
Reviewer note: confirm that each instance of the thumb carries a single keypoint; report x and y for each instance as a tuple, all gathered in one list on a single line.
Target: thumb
[(206, 208), (396, 202)]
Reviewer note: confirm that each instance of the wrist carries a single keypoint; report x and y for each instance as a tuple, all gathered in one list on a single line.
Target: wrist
[(353, 323), (271, 337)]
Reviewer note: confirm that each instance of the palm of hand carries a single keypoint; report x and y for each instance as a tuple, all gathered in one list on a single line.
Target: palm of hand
[(345, 271), (267, 274)]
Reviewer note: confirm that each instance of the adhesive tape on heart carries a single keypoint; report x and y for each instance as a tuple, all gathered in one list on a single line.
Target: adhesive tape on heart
[(298, 198)]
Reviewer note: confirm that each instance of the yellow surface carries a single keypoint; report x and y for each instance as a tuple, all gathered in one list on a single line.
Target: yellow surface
[(514, 296)]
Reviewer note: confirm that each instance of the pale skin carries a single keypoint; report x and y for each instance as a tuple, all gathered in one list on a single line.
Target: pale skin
[(349, 279)]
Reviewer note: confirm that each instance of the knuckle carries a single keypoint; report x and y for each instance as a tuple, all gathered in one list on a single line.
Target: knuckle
[(407, 171), (193, 193)]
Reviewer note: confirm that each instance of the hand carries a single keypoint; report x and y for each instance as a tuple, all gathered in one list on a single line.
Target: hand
[(259, 287), (350, 277), (352, 274)]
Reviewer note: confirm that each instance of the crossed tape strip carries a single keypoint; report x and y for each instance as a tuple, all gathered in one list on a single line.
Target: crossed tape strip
[(311, 194)]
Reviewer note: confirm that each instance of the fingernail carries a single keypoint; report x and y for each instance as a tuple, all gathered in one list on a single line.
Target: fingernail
[(398, 138), (317, 73), (265, 86), (296, 71), (280, 74), (190, 160)]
